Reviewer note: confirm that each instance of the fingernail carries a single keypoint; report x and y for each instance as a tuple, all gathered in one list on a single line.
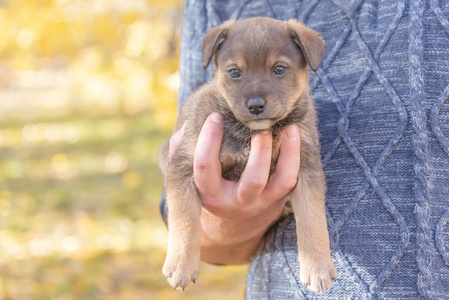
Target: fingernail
[(265, 132), (216, 117), (292, 133)]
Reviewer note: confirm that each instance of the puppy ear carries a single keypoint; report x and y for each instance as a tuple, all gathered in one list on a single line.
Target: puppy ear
[(212, 40), (310, 42)]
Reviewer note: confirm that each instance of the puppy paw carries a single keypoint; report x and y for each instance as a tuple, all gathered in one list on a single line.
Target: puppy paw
[(317, 275), (180, 272)]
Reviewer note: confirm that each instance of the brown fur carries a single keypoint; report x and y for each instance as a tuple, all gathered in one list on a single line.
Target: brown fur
[(254, 46)]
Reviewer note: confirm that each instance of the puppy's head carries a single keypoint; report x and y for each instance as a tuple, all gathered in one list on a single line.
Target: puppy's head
[(261, 66)]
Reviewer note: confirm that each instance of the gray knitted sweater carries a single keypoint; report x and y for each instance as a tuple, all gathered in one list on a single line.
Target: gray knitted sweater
[(382, 94)]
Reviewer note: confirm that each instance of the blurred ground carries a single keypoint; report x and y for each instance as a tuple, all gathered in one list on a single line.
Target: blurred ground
[(87, 94)]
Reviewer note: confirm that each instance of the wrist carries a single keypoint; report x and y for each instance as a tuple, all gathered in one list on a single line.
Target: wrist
[(229, 254), (234, 241), (228, 232)]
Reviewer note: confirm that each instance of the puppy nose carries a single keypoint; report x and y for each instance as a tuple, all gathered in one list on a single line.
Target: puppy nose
[(256, 106)]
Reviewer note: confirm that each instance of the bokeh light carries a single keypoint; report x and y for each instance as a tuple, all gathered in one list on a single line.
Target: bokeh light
[(87, 95)]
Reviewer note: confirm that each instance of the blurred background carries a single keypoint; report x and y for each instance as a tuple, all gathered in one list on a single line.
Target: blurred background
[(87, 95)]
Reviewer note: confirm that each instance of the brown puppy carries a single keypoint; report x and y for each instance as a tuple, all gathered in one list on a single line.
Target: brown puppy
[(260, 84)]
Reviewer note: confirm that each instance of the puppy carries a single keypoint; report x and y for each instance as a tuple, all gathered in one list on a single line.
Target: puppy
[(260, 83)]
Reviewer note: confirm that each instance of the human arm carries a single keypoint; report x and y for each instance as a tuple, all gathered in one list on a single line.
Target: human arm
[(236, 215)]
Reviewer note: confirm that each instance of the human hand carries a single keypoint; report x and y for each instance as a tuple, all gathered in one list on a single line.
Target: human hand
[(236, 215)]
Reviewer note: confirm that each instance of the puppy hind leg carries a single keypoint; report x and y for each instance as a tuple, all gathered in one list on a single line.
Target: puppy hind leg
[(317, 270), (184, 236)]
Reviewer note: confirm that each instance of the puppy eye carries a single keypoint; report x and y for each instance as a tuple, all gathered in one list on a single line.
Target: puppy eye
[(279, 70), (235, 74)]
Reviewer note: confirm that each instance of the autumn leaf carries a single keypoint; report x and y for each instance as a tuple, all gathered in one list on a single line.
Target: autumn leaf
[(88, 92)]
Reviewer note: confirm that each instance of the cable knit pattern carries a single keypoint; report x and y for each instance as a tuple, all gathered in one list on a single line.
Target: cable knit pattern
[(381, 95)]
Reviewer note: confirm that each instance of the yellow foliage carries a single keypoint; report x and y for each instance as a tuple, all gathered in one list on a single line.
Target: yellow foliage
[(87, 94)]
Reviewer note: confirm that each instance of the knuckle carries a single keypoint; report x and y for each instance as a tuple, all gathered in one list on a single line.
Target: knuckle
[(243, 206), (249, 190), (207, 192), (243, 196), (207, 203), (201, 166), (289, 183), (201, 161), (255, 184)]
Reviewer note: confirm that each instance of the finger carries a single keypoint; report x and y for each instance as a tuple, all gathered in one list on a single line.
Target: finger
[(286, 175), (257, 169), (206, 163), (175, 140)]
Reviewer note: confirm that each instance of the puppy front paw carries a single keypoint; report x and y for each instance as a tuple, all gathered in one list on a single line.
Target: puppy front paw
[(317, 275), (179, 272)]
